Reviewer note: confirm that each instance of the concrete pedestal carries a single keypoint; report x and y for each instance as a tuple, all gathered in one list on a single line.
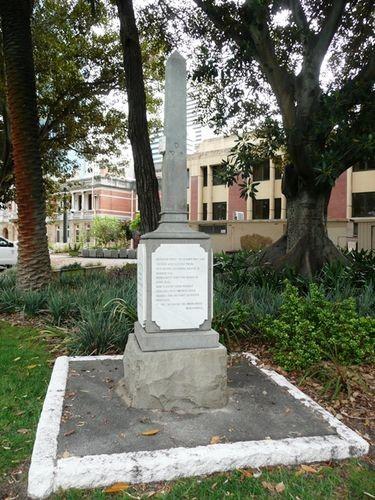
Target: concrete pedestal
[(183, 379)]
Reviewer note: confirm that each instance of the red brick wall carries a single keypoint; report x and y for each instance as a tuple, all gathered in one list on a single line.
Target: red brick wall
[(337, 202), (193, 197), (235, 202), (114, 202)]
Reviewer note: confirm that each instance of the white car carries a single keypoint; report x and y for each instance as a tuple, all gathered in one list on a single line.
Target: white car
[(8, 252)]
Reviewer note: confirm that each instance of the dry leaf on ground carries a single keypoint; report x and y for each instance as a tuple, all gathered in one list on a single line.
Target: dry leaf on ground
[(280, 487), (309, 469), (268, 486), (215, 440), (117, 488), (151, 432), (274, 488), (247, 473)]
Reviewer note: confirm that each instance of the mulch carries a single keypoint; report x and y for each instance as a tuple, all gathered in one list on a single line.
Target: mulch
[(356, 410)]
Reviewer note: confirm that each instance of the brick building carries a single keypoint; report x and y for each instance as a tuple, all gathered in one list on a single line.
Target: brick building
[(86, 198), (214, 207)]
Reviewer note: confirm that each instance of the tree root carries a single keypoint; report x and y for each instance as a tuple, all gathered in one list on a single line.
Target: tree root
[(307, 257)]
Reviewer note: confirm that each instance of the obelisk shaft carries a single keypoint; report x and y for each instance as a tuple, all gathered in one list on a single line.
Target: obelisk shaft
[(174, 161)]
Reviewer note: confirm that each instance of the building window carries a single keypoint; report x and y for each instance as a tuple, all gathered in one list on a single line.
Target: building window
[(187, 179), (364, 165), (261, 172), (77, 234), (363, 204), (217, 172), (204, 175), (88, 233), (278, 168), (277, 214), (79, 202), (204, 215), (58, 234), (188, 210), (219, 211), (89, 201), (261, 209), (214, 229)]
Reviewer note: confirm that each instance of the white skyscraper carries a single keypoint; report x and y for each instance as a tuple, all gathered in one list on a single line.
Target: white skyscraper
[(194, 134)]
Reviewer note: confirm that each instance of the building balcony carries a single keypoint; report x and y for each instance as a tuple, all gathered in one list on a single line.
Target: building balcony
[(77, 215)]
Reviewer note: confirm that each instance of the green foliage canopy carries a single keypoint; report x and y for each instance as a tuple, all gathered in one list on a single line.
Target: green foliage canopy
[(80, 87), (298, 73), (107, 230)]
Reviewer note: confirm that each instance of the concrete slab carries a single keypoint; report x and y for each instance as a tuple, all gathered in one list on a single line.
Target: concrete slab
[(98, 440), (60, 260)]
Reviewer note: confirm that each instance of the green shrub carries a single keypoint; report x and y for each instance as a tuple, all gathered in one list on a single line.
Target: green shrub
[(60, 305), (311, 328), (232, 321), (107, 230), (8, 279), (33, 302), (10, 300), (98, 333), (74, 249), (71, 267)]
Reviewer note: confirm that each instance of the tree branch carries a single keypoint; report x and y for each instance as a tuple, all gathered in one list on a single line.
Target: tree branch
[(300, 19), (253, 29), (323, 39)]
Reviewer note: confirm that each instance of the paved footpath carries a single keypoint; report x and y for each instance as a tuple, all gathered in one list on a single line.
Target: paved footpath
[(60, 260)]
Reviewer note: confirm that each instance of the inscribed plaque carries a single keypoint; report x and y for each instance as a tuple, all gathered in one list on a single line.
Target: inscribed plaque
[(179, 286)]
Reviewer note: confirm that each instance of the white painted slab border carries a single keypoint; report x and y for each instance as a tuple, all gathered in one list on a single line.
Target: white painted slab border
[(48, 474), (95, 358), (43, 459), (342, 430)]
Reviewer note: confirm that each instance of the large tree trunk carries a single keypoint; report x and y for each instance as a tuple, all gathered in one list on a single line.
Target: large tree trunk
[(147, 183), (305, 247), (34, 266)]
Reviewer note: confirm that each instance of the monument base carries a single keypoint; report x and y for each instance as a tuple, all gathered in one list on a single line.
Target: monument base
[(174, 340), (175, 379)]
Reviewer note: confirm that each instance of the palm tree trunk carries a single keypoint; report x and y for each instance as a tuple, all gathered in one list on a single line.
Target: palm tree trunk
[(147, 183), (34, 268)]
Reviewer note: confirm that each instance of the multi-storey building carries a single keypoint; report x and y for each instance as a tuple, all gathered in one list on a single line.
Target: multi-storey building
[(85, 198), (214, 207)]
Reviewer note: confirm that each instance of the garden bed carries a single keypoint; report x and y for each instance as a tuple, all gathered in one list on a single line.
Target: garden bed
[(76, 270), (255, 310)]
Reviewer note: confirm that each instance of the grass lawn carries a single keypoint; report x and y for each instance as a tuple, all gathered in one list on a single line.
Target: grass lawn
[(350, 480), (25, 372)]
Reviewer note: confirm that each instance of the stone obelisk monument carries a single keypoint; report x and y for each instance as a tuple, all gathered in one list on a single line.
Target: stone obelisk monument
[(174, 359)]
